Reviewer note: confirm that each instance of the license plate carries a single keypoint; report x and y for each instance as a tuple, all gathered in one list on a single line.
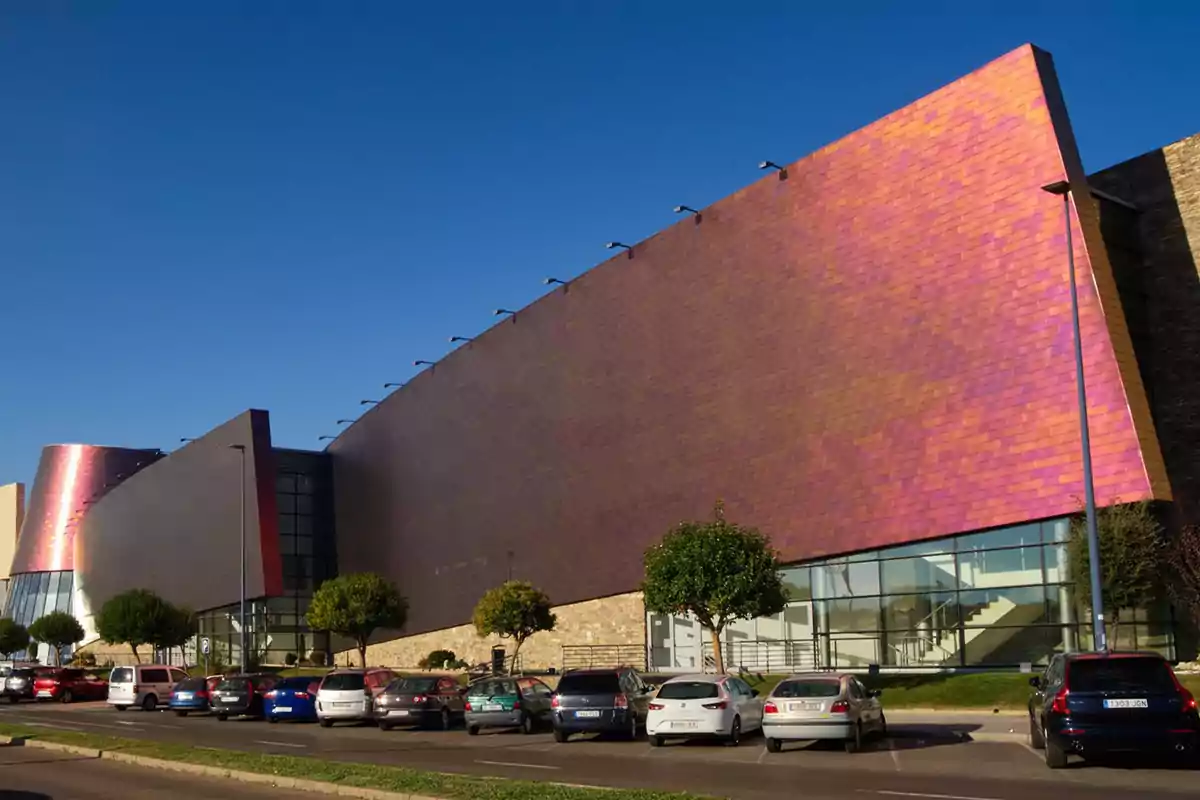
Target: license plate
[(344, 705), (587, 714), (679, 725), (804, 706), (398, 712), (1126, 703), (229, 700), (183, 695), (43, 693), (283, 708), (497, 707)]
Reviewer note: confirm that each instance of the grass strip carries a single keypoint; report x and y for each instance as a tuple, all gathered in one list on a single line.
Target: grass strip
[(368, 776)]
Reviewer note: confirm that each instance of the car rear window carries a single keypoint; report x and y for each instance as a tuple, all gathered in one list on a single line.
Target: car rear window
[(1119, 674), (191, 684), (344, 682), (232, 684), (589, 684), (299, 684), (493, 689), (122, 675), (687, 690), (412, 685), (808, 689)]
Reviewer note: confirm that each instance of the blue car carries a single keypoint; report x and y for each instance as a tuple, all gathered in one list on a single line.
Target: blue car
[(191, 696), (294, 699)]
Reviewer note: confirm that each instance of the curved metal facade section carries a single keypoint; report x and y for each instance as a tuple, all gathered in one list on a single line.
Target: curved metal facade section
[(872, 350), (71, 479), (175, 527)]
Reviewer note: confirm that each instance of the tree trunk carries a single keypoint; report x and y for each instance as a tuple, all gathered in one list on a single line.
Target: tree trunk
[(136, 657), (718, 656), (362, 653), (1116, 629), (516, 650)]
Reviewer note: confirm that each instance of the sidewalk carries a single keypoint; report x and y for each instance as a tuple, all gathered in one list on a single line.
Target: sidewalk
[(979, 726)]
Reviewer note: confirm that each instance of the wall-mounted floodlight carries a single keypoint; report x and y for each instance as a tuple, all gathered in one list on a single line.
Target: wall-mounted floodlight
[(500, 312), (772, 165), (614, 245), (685, 209), (420, 362), (185, 439), (368, 402), (393, 385), (323, 438), (344, 421), (552, 281), (454, 339)]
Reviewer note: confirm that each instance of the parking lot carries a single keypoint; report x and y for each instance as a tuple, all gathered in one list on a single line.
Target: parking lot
[(928, 758)]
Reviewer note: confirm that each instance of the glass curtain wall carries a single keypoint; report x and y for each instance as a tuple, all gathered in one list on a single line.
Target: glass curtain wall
[(33, 595)]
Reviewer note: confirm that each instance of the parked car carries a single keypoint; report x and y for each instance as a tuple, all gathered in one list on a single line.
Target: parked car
[(18, 685), (711, 706), (822, 705), (1091, 704), (428, 701), (601, 701), (508, 703), (348, 695), (242, 695), (293, 698), (68, 684), (143, 685), (193, 695)]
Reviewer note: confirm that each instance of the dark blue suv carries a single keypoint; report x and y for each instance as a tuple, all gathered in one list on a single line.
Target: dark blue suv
[(1091, 704)]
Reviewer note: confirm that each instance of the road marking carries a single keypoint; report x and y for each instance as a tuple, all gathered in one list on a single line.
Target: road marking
[(26, 721), (123, 722), (761, 756), (281, 744), (895, 755), (920, 794), (514, 764), (1036, 754), (65, 726)]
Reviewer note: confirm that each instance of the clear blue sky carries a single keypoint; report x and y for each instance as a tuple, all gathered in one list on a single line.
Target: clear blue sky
[(211, 206)]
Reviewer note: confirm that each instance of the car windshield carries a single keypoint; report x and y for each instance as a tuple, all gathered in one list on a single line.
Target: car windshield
[(493, 689), (190, 685), (122, 675), (344, 682), (412, 685), (1120, 674), (815, 688), (600, 683), (687, 690)]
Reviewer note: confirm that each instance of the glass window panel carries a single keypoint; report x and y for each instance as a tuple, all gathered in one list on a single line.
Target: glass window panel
[(285, 483), (921, 614), (304, 504), (287, 524), (740, 630), (846, 579), (797, 621), (919, 549), (52, 586), (869, 555), (1015, 605), (287, 545), (304, 484), (304, 526), (1016, 536), (1056, 530), (287, 503), (797, 583), (1054, 556), (1156, 637), (922, 574), (979, 570), (1034, 644), (304, 546), (854, 651), (771, 628), (852, 614)]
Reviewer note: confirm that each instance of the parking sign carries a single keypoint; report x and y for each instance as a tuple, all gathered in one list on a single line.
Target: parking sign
[(205, 645)]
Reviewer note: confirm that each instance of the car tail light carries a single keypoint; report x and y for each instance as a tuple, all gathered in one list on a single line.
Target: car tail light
[(621, 701), (1059, 706), (301, 695), (657, 706), (554, 702), (419, 699), (272, 694), (770, 708), (516, 705), (1189, 700), (715, 706), (201, 693), (840, 707), (467, 705), (136, 688)]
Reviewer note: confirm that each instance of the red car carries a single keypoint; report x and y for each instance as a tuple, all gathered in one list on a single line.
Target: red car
[(68, 684)]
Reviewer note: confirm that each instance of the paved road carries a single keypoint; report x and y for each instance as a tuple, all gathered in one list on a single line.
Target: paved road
[(30, 774), (918, 761)]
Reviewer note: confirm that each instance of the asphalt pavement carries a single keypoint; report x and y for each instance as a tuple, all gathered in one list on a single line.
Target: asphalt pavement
[(926, 756), (27, 773)]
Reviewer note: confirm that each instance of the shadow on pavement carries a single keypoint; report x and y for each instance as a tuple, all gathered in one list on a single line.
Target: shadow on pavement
[(7, 795)]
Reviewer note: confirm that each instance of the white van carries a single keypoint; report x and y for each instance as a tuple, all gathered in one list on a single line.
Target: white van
[(142, 685)]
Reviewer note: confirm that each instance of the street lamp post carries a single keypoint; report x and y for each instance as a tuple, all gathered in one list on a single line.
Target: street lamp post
[(241, 448), (1099, 636)]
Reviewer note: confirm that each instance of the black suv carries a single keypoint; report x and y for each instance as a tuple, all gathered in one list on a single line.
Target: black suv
[(241, 695), (600, 701), (1096, 703)]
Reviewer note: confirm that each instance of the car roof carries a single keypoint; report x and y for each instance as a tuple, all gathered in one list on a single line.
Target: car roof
[(817, 676), (1096, 656), (596, 671), (701, 678)]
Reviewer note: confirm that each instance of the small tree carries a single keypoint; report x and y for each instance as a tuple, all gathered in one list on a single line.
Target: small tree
[(58, 629), (1131, 558), (716, 571), (355, 605), (176, 628), (135, 617), (513, 610), (13, 637), (1184, 574)]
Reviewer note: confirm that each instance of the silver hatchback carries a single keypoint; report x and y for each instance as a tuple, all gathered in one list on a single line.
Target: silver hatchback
[(822, 705)]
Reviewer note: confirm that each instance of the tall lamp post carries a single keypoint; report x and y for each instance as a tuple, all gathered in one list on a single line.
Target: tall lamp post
[(241, 448), (1099, 636)]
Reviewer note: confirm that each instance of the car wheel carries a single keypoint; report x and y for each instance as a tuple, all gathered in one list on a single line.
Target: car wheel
[(149, 703), (181, 713), (273, 720), (13, 700), (222, 717), (656, 741), (472, 730), (854, 744), (326, 723), (1056, 757), (1036, 740), (774, 745), (882, 726), (66, 696), (561, 735), (447, 721), (735, 733), (633, 727), (385, 726), (527, 726), (118, 708)]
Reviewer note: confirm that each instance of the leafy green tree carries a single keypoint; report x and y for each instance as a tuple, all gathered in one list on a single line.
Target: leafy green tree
[(57, 629), (1132, 563), (716, 571), (176, 627), (13, 637), (513, 610), (355, 605), (135, 617)]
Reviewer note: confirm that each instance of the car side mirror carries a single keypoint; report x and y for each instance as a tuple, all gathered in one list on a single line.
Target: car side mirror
[(1035, 682), (754, 692), (874, 692)]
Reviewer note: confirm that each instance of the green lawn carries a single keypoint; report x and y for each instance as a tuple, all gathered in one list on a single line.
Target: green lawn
[(393, 779)]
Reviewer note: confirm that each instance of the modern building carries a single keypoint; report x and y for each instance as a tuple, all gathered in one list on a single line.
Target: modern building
[(12, 512), (867, 354)]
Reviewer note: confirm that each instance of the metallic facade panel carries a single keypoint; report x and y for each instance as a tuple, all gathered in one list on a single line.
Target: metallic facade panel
[(174, 527), (875, 350), (71, 478)]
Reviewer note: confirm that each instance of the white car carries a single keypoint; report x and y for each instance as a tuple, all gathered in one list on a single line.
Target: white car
[(145, 686), (348, 695), (822, 705), (695, 706)]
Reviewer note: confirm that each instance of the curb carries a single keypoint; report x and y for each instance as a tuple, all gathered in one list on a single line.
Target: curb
[(1012, 738), (278, 781), (957, 712)]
